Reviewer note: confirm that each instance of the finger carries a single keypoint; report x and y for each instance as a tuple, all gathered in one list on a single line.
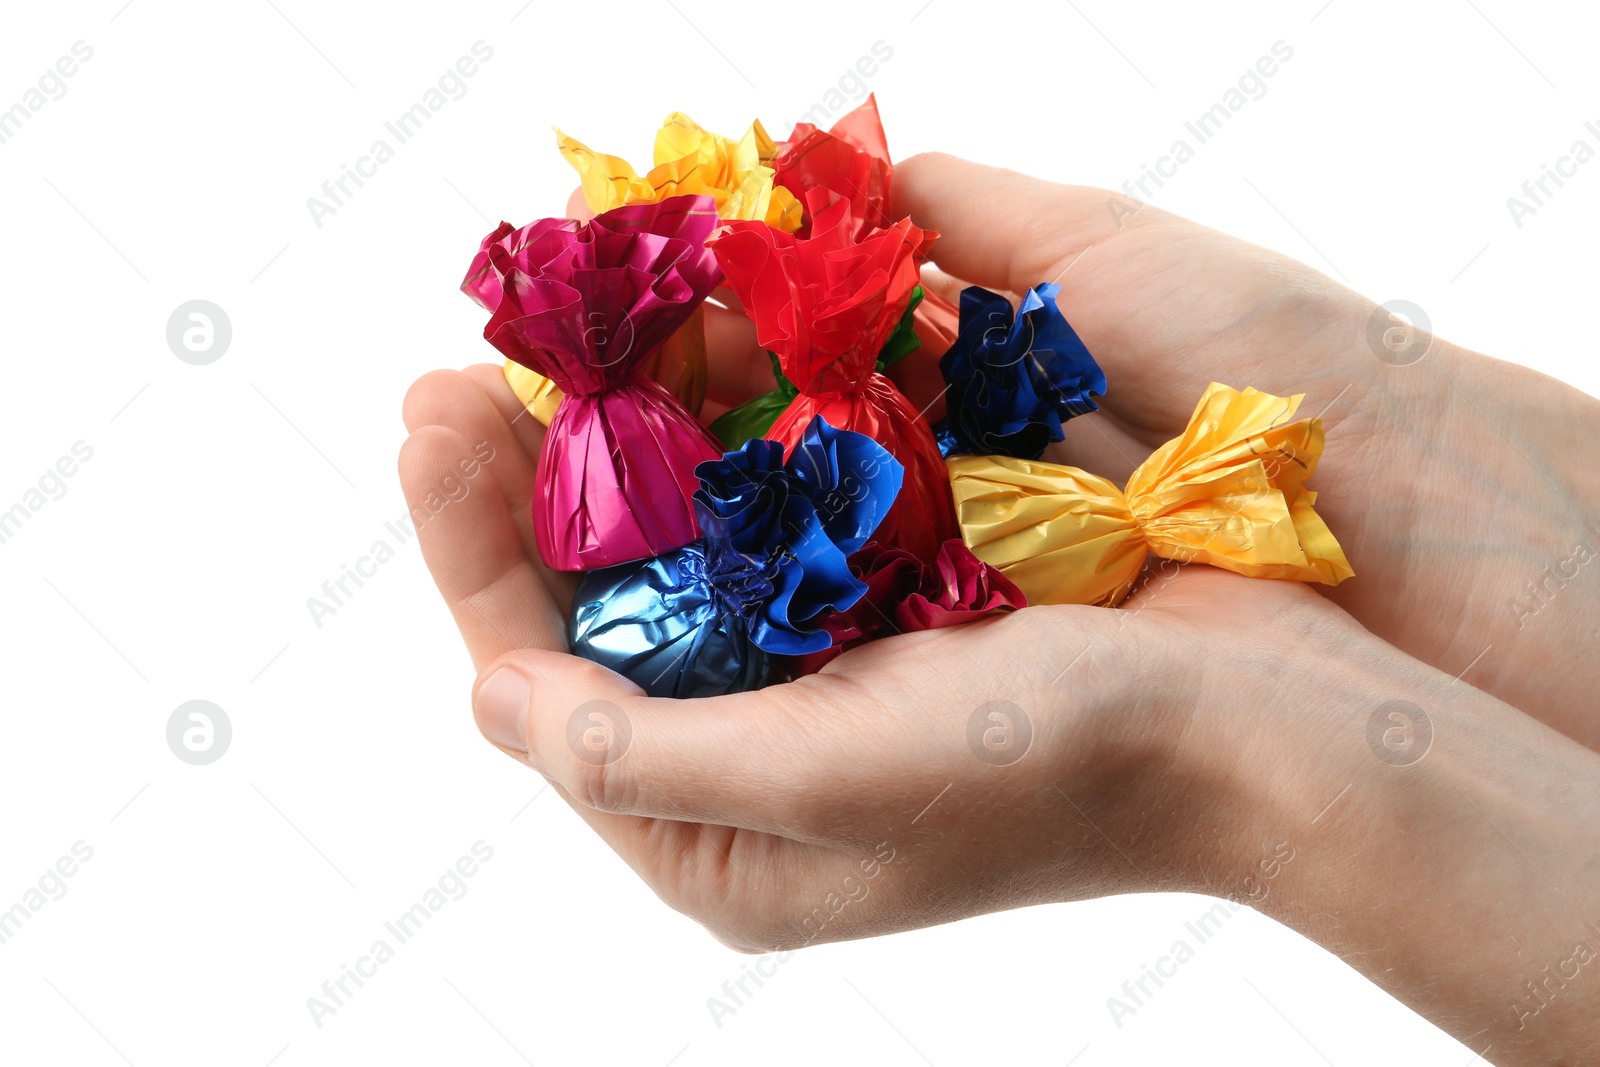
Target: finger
[(589, 727), (452, 399), (1009, 232), (736, 367), (734, 761), (999, 228), (936, 321), (941, 286), (724, 295), (752, 891), (474, 551), (455, 400), (1097, 442), (528, 431), (486, 580), (578, 207)]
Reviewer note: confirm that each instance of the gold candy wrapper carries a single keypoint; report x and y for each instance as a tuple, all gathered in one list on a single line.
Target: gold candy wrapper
[(1229, 492), (537, 393)]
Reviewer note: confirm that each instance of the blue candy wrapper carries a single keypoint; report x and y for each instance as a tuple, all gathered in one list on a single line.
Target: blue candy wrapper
[(1014, 379), (771, 564)]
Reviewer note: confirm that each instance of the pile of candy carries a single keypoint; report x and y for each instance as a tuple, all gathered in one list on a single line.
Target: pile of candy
[(830, 511)]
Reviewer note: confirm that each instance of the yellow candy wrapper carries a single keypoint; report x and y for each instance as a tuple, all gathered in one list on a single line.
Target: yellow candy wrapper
[(1229, 492), (537, 393), (688, 160), (691, 160)]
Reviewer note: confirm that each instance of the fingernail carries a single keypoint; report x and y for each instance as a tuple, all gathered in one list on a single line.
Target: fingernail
[(501, 703)]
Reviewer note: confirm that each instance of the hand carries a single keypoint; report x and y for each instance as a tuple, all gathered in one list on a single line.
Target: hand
[(1171, 741), (1460, 487), (1178, 743), (742, 809)]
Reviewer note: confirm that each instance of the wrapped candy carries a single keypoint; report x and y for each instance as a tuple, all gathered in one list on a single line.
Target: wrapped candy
[(1013, 379), (691, 161), (1229, 492), (825, 306), (679, 365), (851, 160), (755, 416), (905, 595), (836, 511), (586, 305), (707, 618)]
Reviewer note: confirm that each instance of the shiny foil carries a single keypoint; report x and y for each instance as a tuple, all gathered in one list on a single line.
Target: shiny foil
[(772, 565), (1013, 380), (905, 595), (538, 394), (1230, 491), (690, 161), (679, 365), (659, 623), (754, 418), (851, 160), (588, 305), (826, 306)]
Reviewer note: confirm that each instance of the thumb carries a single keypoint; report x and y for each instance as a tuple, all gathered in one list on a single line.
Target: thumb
[(732, 761), (1001, 229)]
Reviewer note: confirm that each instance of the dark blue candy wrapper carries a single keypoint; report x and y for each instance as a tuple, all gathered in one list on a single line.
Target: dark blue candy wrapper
[(771, 564), (1014, 379), (658, 622)]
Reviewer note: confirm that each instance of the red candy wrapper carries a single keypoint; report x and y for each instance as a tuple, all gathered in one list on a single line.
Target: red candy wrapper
[(851, 160), (587, 305), (905, 595), (825, 306)]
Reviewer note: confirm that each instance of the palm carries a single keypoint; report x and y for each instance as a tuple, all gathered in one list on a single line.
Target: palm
[(1414, 481), (908, 698)]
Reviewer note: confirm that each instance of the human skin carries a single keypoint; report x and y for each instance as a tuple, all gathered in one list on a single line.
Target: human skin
[(1453, 483), (1174, 742)]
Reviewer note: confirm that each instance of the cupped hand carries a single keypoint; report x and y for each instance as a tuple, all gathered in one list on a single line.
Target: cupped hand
[(1457, 484), (1051, 754), (1064, 752)]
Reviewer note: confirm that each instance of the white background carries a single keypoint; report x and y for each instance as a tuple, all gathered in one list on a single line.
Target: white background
[(179, 560)]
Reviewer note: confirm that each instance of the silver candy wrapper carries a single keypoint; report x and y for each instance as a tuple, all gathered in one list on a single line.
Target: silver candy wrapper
[(659, 623)]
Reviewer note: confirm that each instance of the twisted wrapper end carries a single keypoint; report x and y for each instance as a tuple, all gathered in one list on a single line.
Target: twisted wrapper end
[(1230, 491)]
